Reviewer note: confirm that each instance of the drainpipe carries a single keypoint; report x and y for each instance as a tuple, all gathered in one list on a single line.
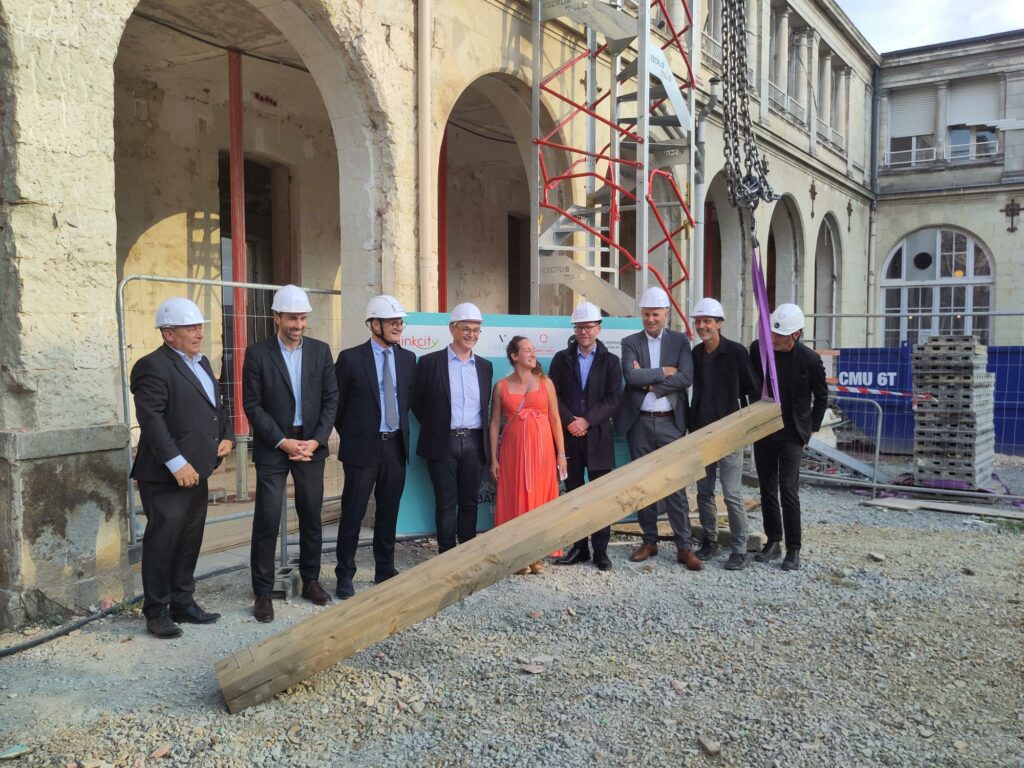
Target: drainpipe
[(700, 174), (876, 99), (239, 270), (442, 226), (427, 264)]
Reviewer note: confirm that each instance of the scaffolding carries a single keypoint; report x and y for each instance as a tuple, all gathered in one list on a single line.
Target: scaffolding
[(582, 244)]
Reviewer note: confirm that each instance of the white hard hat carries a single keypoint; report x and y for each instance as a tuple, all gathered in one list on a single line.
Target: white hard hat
[(291, 298), (586, 313), (654, 298), (467, 312), (787, 319), (384, 307), (708, 307), (177, 311)]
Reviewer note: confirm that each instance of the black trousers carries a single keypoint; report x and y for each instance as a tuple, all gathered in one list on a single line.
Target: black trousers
[(271, 482), (386, 480), (175, 522), (777, 458), (456, 481), (576, 461)]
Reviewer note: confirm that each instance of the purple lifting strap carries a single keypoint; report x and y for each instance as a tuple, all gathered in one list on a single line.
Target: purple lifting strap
[(764, 331)]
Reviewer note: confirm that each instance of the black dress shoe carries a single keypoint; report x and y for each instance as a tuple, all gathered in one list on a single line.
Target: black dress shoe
[(792, 561), (708, 549), (382, 577), (345, 589), (601, 560), (737, 561), (574, 555), (315, 593), (772, 550), (193, 614), (161, 626), (263, 609)]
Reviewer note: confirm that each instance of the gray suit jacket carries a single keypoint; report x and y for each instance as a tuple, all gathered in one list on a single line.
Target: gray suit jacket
[(675, 352)]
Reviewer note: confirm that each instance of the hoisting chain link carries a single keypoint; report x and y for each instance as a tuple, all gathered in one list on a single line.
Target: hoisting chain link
[(746, 172)]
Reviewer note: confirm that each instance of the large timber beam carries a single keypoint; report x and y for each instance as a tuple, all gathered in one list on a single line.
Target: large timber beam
[(258, 672)]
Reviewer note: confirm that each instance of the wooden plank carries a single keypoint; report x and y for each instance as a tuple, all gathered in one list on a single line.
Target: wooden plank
[(259, 671), (945, 506)]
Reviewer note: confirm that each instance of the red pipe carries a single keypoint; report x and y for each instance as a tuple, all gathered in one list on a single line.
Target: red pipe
[(442, 225), (239, 271)]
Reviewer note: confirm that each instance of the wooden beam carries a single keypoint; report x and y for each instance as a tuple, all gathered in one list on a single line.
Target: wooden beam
[(258, 672)]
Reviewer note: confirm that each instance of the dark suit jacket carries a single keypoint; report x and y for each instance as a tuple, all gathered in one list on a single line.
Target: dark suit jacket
[(810, 391), (602, 397), (270, 403), (358, 417), (675, 352), (175, 417), (432, 403), (734, 378)]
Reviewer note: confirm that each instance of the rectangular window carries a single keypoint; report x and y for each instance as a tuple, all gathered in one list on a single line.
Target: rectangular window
[(893, 304)]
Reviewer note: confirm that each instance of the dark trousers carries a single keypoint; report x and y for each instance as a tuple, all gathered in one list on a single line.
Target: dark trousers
[(576, 459), (271, 481), (456, 481), (175, 521), (648, 434), (386, 480), (777, 458)]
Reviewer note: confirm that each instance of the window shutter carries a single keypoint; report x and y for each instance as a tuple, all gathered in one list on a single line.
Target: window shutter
[(912, 112), (974, 102)]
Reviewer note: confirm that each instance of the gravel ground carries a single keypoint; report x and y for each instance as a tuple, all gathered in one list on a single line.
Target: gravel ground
[(899, 643)]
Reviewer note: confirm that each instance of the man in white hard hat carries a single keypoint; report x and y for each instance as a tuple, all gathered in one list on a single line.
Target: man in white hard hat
[(723, 382), (658, 367), (588, 384), (184, 434), (803, 395), (290, 395), (374, 391), (451, 396)]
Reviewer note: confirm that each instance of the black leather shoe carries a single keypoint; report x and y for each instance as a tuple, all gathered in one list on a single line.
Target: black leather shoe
[(792, 561), (380, 578), (345, 589), (263, 609), (574, 555), (161, 626), (772, 550), (315, 593), (737, 561), (193, 614), (708, 549), (601, 560)]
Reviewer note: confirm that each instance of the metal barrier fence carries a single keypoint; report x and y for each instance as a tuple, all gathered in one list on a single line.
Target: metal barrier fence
[(930, 402), (232, 485)]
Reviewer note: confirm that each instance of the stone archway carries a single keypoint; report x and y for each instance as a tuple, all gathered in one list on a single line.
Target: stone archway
[(784, 266), (827, 261), (729, 258)]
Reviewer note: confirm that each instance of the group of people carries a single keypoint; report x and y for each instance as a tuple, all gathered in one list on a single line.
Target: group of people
[(531, 430)]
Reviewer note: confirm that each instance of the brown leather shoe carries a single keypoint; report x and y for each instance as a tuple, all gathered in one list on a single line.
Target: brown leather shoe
[(643, 552), (312, 591), (690, 560), (263, 609)]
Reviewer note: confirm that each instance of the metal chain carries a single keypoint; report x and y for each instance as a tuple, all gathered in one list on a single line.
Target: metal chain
[(746, 171)]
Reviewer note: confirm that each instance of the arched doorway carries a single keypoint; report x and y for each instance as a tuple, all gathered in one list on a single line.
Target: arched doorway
[(726, 266), (783, 253), (826, 283)]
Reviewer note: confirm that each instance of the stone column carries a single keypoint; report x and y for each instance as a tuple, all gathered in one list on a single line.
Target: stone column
[(842, 110), (799, 85), (825, 99), (782, 50), (764, 61), (941, 119)]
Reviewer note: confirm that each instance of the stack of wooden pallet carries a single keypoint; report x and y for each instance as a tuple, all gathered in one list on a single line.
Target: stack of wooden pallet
[(954, 429)]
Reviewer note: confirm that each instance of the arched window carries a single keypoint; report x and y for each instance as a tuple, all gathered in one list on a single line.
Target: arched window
[(935, 281)]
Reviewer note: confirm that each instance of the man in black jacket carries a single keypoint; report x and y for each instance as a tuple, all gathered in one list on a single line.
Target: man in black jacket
[(290, 395), (450, 397), (374, 390), (722, 384), (588, 383), (183, 437), (803, 395)]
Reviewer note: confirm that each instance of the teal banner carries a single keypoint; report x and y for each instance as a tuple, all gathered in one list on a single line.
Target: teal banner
[(428, 332)]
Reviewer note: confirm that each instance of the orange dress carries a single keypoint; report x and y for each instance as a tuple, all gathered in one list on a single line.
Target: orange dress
[(527, 472)]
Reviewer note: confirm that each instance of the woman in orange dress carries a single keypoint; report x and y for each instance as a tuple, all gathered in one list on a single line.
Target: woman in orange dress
[(531, 456)]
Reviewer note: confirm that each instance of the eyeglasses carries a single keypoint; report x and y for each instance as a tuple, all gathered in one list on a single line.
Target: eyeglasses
[(394, 323), (588, 328), (467, 331)]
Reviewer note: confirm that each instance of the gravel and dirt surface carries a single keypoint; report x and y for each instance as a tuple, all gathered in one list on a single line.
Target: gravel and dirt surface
[(899, 643)]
